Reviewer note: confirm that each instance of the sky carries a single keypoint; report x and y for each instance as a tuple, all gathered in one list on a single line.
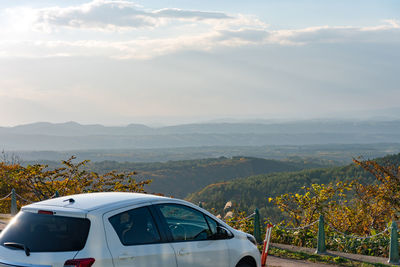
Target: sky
[(181, 61)]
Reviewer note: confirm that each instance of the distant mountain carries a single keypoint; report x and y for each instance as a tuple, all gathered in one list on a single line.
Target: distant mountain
[(300, 127), (74, 136), (75, 129)]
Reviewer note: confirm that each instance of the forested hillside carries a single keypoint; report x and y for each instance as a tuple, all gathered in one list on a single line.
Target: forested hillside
[(340, 154), (179, 178), (254, 191)]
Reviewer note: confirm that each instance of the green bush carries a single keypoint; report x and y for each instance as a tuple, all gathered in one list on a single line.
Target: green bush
[(374, 246)]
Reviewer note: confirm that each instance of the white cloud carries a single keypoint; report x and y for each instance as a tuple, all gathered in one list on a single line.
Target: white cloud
[(74, 31), (388, 32), (115, 15), (146, 47), (187, 14)]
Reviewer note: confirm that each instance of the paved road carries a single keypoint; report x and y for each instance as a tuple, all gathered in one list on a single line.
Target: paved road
[(276, 261), (2, 225), (4, 219)]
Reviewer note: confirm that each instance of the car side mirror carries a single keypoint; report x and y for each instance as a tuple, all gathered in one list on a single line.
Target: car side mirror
[(223, 233)]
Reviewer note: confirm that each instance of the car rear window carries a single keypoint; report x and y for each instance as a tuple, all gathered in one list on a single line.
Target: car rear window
[(47, 233)]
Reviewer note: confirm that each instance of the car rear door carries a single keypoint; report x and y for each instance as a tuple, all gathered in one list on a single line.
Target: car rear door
[(192, 234), (134, 239)]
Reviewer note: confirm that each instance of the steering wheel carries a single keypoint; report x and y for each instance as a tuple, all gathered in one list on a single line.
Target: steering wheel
[(200, 233), (178, 231)]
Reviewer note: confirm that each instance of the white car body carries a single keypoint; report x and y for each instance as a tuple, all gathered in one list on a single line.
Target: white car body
[(105, 245)]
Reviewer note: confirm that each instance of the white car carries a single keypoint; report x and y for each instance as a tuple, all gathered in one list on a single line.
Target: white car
[(122, 229)]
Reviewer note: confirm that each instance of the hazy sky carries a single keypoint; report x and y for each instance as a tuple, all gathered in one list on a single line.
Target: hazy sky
[(159, 61)]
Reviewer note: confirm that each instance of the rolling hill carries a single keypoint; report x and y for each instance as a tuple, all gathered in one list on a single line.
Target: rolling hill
[(180, 178), (253, 192)]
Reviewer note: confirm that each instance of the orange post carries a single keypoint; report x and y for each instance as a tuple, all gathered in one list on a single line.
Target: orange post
[(264, 253)]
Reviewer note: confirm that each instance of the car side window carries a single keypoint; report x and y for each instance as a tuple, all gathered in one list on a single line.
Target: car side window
[(217, 230), (213, 225), (184, 223), (135, 227)]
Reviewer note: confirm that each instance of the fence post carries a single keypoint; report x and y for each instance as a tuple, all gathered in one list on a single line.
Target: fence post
[(257, 227), (321, 248), (394, 245), (14, 208)]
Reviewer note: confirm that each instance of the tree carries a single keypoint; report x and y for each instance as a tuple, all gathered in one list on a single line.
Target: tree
[(317, 200), (350, 207), (388, 181), (38, 182)]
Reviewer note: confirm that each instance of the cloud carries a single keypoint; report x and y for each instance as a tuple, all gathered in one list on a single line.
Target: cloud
[(188, 14), (95, 29), (388, 32), (146, 47), (142, 48), (245, 35), (116, 15)]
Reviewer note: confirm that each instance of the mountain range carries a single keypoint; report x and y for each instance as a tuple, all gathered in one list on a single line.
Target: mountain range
[(72, 135)]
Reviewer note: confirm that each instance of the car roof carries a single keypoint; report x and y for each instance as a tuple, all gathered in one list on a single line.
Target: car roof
[(93, 201)]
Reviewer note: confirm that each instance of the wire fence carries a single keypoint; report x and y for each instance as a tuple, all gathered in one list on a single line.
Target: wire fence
[(24, 199), (7, 196), (13, 196), (340, 237), (356, 236), (250, 216), (332, 228), (296, 228), (240, 220)]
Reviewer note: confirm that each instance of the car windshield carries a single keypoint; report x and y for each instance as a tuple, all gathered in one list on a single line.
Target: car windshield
[(46, 233)]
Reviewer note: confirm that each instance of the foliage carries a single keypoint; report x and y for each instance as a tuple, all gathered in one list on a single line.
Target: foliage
[(38, 182), (240, 221), (317, 200), (330, 259), (354, 209), (388, 177), (302, 238), (375, 246), (352, 212), (349, 207)]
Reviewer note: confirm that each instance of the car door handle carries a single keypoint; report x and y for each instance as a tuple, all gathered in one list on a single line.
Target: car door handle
[(183, 252), (126, 257)]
